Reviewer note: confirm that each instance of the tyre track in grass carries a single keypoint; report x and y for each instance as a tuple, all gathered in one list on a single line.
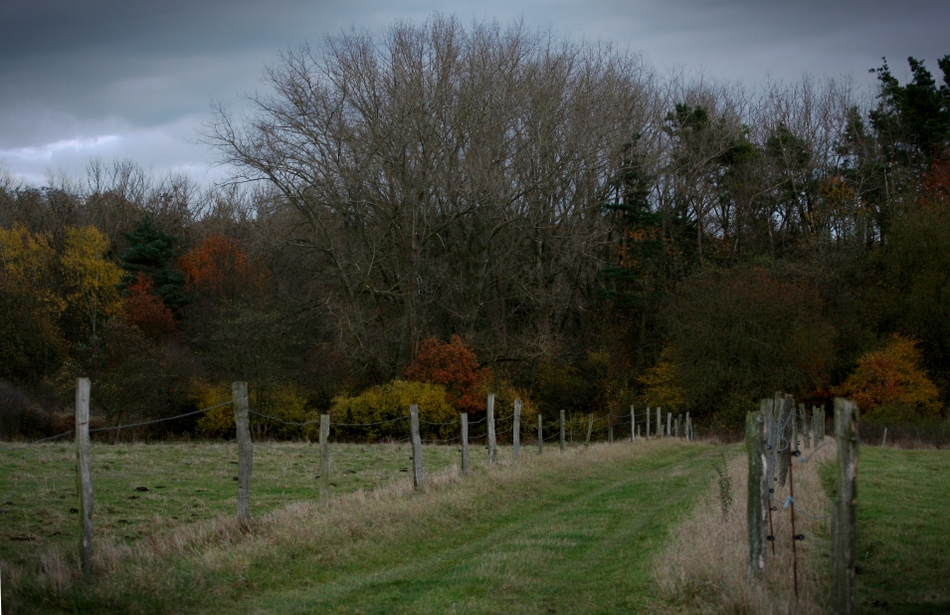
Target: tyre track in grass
[(585, 546)]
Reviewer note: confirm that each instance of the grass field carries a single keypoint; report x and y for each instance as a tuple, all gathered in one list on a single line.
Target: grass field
[(141, 489), (602, 530)]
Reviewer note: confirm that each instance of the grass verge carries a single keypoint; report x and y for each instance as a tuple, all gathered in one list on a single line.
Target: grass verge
[(562, 533)]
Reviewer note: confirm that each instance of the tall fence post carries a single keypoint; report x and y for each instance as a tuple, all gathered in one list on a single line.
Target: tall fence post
[(491, 428), (562, 431), (844, 521), (245, 450), (416, 446), (647, 434), (633, 424), (659, 422), (590, 429), (669, 424), (689, 428), (516, 431), (324, 459), (465, 466), (83, 474), (758, 504), (540, 433), (610, 426), (786, 423)]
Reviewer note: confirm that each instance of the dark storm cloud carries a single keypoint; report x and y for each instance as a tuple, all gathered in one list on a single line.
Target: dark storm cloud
[(135, 78)]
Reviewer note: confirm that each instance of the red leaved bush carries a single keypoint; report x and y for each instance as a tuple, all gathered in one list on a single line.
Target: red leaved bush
[(454, 366), (147, 311)]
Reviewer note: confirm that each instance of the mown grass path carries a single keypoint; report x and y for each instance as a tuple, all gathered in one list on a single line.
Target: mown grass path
[(575, 534)]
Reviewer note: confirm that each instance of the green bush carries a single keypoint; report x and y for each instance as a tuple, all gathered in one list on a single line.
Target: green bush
[(391, 401)]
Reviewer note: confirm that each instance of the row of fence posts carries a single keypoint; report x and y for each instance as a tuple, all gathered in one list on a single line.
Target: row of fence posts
[(241, 407), (772, 442)]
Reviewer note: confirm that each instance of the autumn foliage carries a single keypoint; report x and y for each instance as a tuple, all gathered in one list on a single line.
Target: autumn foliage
[(454, 366), (146, 310), (219, 267), (890, 383)]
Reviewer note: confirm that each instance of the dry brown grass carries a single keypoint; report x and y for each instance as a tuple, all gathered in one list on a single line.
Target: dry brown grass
[(704, 569)]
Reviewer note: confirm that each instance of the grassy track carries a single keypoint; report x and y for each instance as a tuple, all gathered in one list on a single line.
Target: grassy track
[(903, 531), (571, 533)]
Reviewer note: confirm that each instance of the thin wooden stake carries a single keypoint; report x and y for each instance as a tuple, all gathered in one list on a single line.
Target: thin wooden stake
[(465, 466), (647, 434), (83, 474), (590, 428), (324, 459), (491, 428), (562, 431), (610, 427), (540, 433), (516, 431), (245, 450), (633, 424), (416, 446)]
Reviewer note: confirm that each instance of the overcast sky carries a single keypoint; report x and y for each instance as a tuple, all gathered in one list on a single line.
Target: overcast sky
[(135, 79)]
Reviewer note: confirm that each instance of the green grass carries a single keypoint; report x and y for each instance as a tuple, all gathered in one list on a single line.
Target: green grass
[(903, 531), (564, 533), (183, 482)]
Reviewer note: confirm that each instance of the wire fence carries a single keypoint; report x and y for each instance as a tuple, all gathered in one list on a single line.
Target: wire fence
[(135, 484)]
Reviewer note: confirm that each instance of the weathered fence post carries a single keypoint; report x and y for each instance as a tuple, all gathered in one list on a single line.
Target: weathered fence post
[(803, 420), (659, 422), (610, 427), (590, 428), (83, 474), (516, 431), (562, 431), (647, 430), (844, 521), (245, 450), (633, 424), (491, 428), (669, 424), (786, 423), (689, 428), (324, 459), (416, 446), (758, 504), (676, 425), (540, 433), (465, 466)]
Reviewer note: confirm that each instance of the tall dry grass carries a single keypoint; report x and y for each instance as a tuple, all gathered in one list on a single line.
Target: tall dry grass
[(705, 566)]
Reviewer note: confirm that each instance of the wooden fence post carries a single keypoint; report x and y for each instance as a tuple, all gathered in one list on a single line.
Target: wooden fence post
[(610, 426), (324, 459), (844, 521), (465, 466), (562, 431), (590, 428), (633, 424), (83, 474), (245, 450), (758, 503), (676, 423), (416, 446), (803, 420), (659, 422), (516, 431), (669, 424), (491, 428), (786, 422), (540, 433), (647, 430), (689, 428)]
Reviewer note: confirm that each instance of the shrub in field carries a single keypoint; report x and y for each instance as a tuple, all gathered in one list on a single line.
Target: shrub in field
[(890, 385), (453, 366), (391, 401), (281, 402)]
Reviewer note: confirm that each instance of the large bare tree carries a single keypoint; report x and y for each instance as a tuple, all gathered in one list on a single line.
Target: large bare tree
[(444, 179)]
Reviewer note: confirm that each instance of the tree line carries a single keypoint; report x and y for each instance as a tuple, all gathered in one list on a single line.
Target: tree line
[(593, 233)]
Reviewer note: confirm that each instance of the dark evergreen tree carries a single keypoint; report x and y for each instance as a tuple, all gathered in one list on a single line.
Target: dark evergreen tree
[(151, 252)]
